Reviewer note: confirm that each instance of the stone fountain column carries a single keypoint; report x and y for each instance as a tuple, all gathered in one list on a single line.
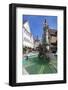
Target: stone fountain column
[(45, 37), (44, 48), (45, 40)]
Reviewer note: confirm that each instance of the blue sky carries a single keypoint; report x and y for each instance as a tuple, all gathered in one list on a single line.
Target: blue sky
[(36, 23)]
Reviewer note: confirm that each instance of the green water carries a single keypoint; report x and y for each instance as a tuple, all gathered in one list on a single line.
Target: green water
[(40, 66)]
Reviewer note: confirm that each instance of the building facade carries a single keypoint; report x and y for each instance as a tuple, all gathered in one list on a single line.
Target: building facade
[(50, 38), (36, 44), (53, 40), (27, 36)]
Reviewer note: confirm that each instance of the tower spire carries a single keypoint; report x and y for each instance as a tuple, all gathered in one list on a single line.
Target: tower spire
[(45, 21), (46, 24)]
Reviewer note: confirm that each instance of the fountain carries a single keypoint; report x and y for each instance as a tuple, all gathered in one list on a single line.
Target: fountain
[(44, 48)]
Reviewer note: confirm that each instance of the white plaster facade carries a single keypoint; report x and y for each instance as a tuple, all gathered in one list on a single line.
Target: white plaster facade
[(27, 36)]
